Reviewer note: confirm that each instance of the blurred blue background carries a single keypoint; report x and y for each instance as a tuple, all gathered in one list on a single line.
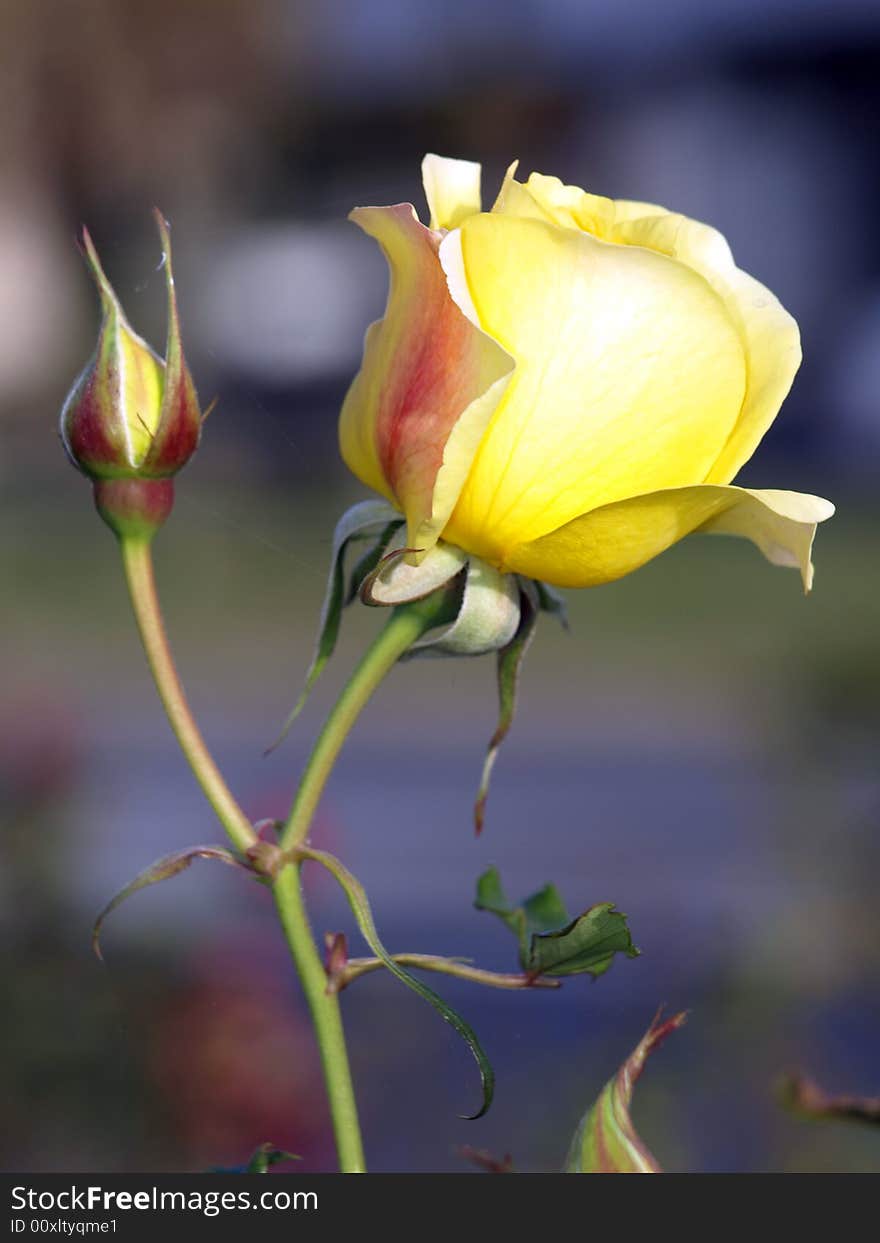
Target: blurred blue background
[(700, 749)]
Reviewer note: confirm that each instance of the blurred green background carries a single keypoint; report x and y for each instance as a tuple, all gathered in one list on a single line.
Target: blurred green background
[(699, 749)]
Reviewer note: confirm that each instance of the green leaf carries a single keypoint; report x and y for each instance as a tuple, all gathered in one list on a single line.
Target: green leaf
[(360, 906), (509, 664), (268, 1155), (163, 869), (492, 898), (550, 941), (260, 1161), (586, 945), (606, 1142), (544, 909), (368, 519)]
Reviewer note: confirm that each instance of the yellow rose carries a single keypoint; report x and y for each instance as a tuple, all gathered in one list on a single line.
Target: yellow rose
[(566, 385)]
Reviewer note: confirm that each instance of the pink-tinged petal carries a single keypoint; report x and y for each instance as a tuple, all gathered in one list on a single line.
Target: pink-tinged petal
[(177, 435), (428, 385)]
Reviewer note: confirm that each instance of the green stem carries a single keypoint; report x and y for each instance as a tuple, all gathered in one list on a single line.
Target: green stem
[(460, 967), (407, 623), (326, 1017), (137, 560), (138, 563)]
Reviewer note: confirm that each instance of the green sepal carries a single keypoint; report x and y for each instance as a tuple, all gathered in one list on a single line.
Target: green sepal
[(360, 906), (162, 869), (509, 664), (606, 1142), (395, 581), (550, 941), (487, 619), (369, 519), (552, 601), (366, 564)]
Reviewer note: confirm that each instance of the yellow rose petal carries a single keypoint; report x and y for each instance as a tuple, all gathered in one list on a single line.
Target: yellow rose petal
[(141, 378), (452, 188), (630, 376), (771, 341), (610, 542), (571, 206), (770, 335)]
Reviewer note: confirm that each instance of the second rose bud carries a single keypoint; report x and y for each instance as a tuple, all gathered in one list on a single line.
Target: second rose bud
[(132, 419)]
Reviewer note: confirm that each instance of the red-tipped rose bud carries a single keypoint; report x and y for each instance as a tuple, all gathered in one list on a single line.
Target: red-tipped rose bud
[(131, 419)]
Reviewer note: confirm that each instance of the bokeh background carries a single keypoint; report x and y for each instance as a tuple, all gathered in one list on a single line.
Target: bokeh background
[(700, 749)]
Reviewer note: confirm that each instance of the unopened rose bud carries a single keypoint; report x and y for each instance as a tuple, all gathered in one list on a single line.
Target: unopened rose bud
[(132, 419)]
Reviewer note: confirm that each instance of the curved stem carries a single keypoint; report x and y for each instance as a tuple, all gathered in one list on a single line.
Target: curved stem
[(356, 967), (326, 1017), (406, 624), (137, 560), (138, 563)]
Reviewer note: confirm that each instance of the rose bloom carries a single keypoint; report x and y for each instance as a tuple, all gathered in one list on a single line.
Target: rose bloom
[(566, 385)]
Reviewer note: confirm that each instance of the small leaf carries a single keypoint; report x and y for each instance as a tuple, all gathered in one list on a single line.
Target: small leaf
[(587, 945), (804, 1097), (360, 906), (357, 523), (509, 662), (268, 1155), (163, 869), (606, 1141), (260, 1161), (550, 941), (545, 909), (492, 898)]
